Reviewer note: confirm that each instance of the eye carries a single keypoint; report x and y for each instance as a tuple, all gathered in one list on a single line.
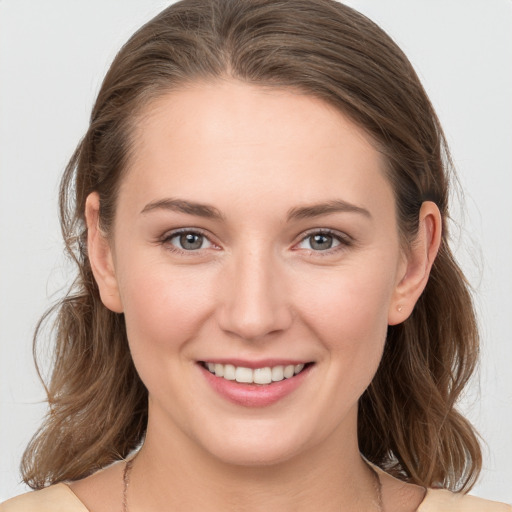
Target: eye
[(188, 241), (321, 241)]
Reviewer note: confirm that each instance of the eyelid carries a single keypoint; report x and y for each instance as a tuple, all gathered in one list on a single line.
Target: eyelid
[(344, 239), (168, 235)]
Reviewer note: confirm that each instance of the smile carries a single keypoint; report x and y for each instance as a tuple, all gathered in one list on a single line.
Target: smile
[(243, 375), (255, 383)]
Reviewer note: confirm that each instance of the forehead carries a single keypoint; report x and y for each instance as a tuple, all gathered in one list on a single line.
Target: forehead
[(221, 138)]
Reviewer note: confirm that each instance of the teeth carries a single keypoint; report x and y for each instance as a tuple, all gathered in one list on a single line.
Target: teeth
[(229, 372), (277, 373), (262, 376), (257, 376), (243, 375), (289, 371), (219, 370)]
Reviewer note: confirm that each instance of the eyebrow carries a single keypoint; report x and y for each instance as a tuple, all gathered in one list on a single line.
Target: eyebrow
[(299, 212), (180, 205), (334, 206)]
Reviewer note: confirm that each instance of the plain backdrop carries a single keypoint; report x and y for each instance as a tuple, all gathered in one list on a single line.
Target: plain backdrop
[(53, 55)]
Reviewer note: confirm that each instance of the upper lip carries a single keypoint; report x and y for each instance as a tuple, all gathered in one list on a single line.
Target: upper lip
[(260, 363)]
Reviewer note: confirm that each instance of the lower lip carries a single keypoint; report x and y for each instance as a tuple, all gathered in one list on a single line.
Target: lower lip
[(254, 395)]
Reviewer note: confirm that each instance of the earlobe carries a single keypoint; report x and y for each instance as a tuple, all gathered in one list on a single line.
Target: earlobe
[(419, 261), (100, 256)]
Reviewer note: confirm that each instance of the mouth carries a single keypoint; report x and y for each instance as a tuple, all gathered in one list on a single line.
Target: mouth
[(255, 383), (263, 376)]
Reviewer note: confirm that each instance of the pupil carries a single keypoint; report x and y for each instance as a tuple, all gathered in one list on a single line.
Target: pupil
[(321, 242), (191, 241)]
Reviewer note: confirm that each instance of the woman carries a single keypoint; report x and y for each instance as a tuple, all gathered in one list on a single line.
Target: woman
[(267, 308)]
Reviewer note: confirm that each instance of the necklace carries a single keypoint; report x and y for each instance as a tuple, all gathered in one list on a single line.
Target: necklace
[(128, 467), (126, 482)]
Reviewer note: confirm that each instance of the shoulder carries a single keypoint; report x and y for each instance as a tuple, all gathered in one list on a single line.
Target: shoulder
[(56, 498), (440, 500)]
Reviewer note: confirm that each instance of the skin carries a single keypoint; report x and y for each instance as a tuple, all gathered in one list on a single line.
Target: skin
[(256, 288)]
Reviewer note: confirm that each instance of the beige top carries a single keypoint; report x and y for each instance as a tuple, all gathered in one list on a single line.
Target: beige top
[(60, 498)]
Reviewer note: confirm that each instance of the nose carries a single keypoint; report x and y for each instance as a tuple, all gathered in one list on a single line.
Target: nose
[(253, 298)]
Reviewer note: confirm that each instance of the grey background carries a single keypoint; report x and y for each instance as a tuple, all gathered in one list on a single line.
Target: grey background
[(53, 55)]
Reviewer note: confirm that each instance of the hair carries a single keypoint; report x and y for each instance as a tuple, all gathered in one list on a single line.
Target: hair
[(408, 423)]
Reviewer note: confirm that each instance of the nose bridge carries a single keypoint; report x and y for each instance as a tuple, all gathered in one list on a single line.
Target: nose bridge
[(254, 302)]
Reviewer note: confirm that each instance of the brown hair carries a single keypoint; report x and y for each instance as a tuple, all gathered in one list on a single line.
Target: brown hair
[(408, 423)]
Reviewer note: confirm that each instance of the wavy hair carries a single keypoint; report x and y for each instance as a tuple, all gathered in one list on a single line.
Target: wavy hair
[(408, 423)]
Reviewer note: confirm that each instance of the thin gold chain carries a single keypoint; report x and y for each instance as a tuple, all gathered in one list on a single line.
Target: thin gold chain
[(126, 483), (129, 464)]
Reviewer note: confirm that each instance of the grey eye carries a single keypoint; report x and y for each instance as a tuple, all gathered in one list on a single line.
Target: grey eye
[(320, 242), (190, 241)]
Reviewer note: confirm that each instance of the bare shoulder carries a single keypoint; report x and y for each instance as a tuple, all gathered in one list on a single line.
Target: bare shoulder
[(99, 492), (406, 497), (102, 491), (440, 500), (56, 498)]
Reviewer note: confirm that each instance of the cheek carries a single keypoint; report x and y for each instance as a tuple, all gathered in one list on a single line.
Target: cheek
[(348, 312), (164, 312), (163, 308), (353, 299)]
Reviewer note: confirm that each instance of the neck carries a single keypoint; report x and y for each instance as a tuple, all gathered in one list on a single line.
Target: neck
[(172, 473)]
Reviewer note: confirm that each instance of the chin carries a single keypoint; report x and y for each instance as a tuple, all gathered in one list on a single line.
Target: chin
[(253, 455), (257, 444)]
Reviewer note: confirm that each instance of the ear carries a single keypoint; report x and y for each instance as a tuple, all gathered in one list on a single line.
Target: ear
[(418, 263), (101, 257)]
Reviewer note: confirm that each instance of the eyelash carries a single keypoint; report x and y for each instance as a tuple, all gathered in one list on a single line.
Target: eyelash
[(166, 240), (343, 239)]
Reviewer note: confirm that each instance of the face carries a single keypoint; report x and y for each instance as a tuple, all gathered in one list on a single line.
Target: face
[(255, 239)]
